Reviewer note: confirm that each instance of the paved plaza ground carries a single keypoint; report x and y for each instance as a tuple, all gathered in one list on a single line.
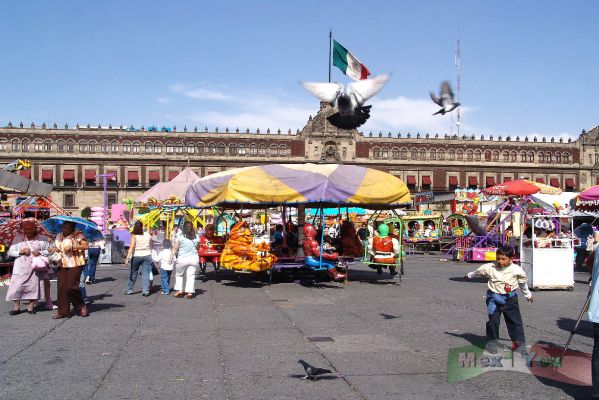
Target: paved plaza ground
[(240, 339)]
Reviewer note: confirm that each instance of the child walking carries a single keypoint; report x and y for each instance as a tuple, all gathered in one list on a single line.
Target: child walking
[(504, 280), (162, 258)]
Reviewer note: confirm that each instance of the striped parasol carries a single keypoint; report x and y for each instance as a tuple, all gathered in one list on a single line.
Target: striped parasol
[(521, 187), (319, 185)]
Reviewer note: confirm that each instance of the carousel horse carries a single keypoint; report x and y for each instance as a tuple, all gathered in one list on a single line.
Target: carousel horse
[(209, 248), (350, 242), (384, 249), (312, 253), (242, 254)]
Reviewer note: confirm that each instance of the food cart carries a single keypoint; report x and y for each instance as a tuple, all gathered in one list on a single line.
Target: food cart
[(547, 251)]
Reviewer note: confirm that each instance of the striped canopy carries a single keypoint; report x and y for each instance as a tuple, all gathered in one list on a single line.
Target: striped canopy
[(291, 184)]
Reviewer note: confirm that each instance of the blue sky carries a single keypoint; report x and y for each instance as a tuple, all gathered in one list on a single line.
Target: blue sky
[(527, 67)]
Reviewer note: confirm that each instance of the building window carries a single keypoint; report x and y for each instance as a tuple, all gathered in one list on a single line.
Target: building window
[(15, 145), (47, 145), (433, 154), (93, 146), (558, 157), (233, 150), (157, 148), (262, 150), (241, 150), (403, 154), (170, 148), (376, 152), (274, 150), (394, 153), (422, 154), (522, 156), (2, 145), (135, 148), (477, 155), (506, 156), (414, 154), (531, 157), (179, 148), (111, 199), (385, 153), (126, 147), (469, 155), (25, 146), (495, 155), (488, 156), (200, 148), (211, 148), (514, 156), (459, 155), (69, 200), (566, 158), (114, 147), (345, 152), (221, 149), (112, 181), (541, 157), (191, 149), (548, 158), (451, 154), (83, 147), (37, 146), (148, 148), (441, 155), (254, 150)]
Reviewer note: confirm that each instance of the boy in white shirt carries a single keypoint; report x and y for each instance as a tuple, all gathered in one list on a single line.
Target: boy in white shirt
[(162, 258), (504, 280)]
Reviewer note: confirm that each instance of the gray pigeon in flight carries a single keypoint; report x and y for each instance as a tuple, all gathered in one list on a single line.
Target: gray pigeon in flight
[(313, 372), (351, 112), (445, 101)]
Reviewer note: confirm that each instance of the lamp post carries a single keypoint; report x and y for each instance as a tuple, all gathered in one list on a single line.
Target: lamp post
[(104, 178)]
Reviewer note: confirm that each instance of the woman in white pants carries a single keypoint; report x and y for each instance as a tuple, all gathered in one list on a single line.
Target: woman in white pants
[(188, 260)]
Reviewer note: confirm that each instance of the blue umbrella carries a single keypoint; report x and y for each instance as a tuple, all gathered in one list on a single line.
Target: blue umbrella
[(89, 229)]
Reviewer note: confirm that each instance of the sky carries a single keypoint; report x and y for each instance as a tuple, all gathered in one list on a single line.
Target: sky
[(527, 68)]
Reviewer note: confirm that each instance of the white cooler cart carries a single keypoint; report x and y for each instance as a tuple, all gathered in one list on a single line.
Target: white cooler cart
[(548, 262)]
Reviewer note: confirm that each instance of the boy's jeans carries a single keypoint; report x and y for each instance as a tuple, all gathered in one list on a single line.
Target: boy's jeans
[(93, 254), (165, 280)]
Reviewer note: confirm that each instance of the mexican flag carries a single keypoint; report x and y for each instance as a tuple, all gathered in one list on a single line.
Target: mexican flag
[(348, 63)]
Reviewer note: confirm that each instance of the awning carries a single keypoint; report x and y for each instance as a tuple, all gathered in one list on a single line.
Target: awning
[(554, 182), (490, 181), (113, 172), (540, 180), (172, 175), (25, 173), (472, 181), (154, 175), (570, 183), (68, 174), (90, 174), (411, 180), (426, 180), (507, 179), (47, 174), (453, 181), (132, 176)]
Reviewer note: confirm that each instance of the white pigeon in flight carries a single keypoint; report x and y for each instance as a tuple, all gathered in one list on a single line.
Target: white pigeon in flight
[(351, 112), (445, 101)]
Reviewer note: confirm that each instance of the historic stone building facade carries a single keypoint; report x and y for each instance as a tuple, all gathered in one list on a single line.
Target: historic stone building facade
[(71, 157)]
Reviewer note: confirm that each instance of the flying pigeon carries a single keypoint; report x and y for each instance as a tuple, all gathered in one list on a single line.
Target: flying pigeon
[(446, 99), (313, 372), (349, 101)]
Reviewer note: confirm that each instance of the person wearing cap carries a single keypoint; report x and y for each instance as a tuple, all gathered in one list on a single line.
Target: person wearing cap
[(384, 249)]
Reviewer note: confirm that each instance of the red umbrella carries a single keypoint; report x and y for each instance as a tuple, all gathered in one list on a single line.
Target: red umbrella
[(14, 227), (520, 187)]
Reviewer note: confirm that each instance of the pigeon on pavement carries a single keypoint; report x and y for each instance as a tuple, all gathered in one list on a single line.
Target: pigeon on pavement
[(445, 99), (351, 112), (313, 372)]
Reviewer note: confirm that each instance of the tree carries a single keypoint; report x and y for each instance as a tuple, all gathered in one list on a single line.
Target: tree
[(86, 212)]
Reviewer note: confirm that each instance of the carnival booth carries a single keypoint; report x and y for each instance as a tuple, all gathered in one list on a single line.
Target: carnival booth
[(297, 185), (422, 228), (547, 251)]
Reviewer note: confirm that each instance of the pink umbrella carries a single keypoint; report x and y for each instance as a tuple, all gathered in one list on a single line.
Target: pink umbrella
[(588, 199)]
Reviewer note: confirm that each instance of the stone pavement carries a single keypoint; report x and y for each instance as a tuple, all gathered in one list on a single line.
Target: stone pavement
[(239, 339)]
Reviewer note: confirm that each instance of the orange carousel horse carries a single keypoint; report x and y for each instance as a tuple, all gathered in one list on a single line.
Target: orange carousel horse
[(242, 254)]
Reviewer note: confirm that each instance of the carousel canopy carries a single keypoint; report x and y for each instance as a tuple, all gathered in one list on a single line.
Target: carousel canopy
[(588, 199), (177, 187), (11, 182), (322, 185), (521, 187)]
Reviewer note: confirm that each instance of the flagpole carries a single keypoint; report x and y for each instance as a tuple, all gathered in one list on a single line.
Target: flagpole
[(330, 50)]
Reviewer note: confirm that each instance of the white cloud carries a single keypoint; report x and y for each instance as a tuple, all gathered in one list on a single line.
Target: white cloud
[(201, 93), (163, 100)]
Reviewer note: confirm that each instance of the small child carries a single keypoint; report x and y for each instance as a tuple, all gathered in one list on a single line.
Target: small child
[(166, 267), (504, 280)]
